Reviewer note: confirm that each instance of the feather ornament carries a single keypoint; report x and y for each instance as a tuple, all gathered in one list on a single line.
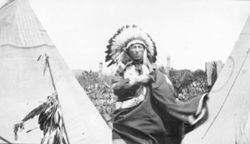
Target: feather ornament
[(49, 120)]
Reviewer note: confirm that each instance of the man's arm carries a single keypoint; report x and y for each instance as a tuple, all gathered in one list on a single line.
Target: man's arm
[(121, 85)]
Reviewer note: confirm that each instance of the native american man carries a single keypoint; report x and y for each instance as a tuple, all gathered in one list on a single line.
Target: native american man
[(147, 111)]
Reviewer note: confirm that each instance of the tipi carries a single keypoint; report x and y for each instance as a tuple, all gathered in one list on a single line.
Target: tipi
[(229, 101), (23, 86)]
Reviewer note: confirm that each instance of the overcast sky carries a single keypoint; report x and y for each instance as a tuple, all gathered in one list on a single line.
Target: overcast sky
[(191, 32)]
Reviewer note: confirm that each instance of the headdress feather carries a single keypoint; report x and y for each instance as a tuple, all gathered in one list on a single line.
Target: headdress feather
[(118, 44)]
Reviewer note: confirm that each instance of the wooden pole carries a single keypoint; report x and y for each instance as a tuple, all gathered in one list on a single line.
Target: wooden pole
[(47, 63)]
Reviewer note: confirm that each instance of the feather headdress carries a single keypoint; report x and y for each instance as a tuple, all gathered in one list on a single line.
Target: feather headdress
[(125, 37)]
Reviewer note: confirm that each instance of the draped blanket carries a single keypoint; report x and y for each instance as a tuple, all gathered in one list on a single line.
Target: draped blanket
[(160, 118)]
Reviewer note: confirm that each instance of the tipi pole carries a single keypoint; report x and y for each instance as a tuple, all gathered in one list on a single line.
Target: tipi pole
[(47, 64), (51, 75)]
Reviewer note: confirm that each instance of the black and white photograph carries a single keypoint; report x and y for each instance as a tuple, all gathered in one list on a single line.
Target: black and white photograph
[(124, 72)]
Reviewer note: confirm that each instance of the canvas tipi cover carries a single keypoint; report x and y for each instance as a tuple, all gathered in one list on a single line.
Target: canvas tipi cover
[(23, 86), (229, 100)]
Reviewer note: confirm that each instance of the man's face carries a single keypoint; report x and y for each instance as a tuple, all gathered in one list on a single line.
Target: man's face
[(136, 51)]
